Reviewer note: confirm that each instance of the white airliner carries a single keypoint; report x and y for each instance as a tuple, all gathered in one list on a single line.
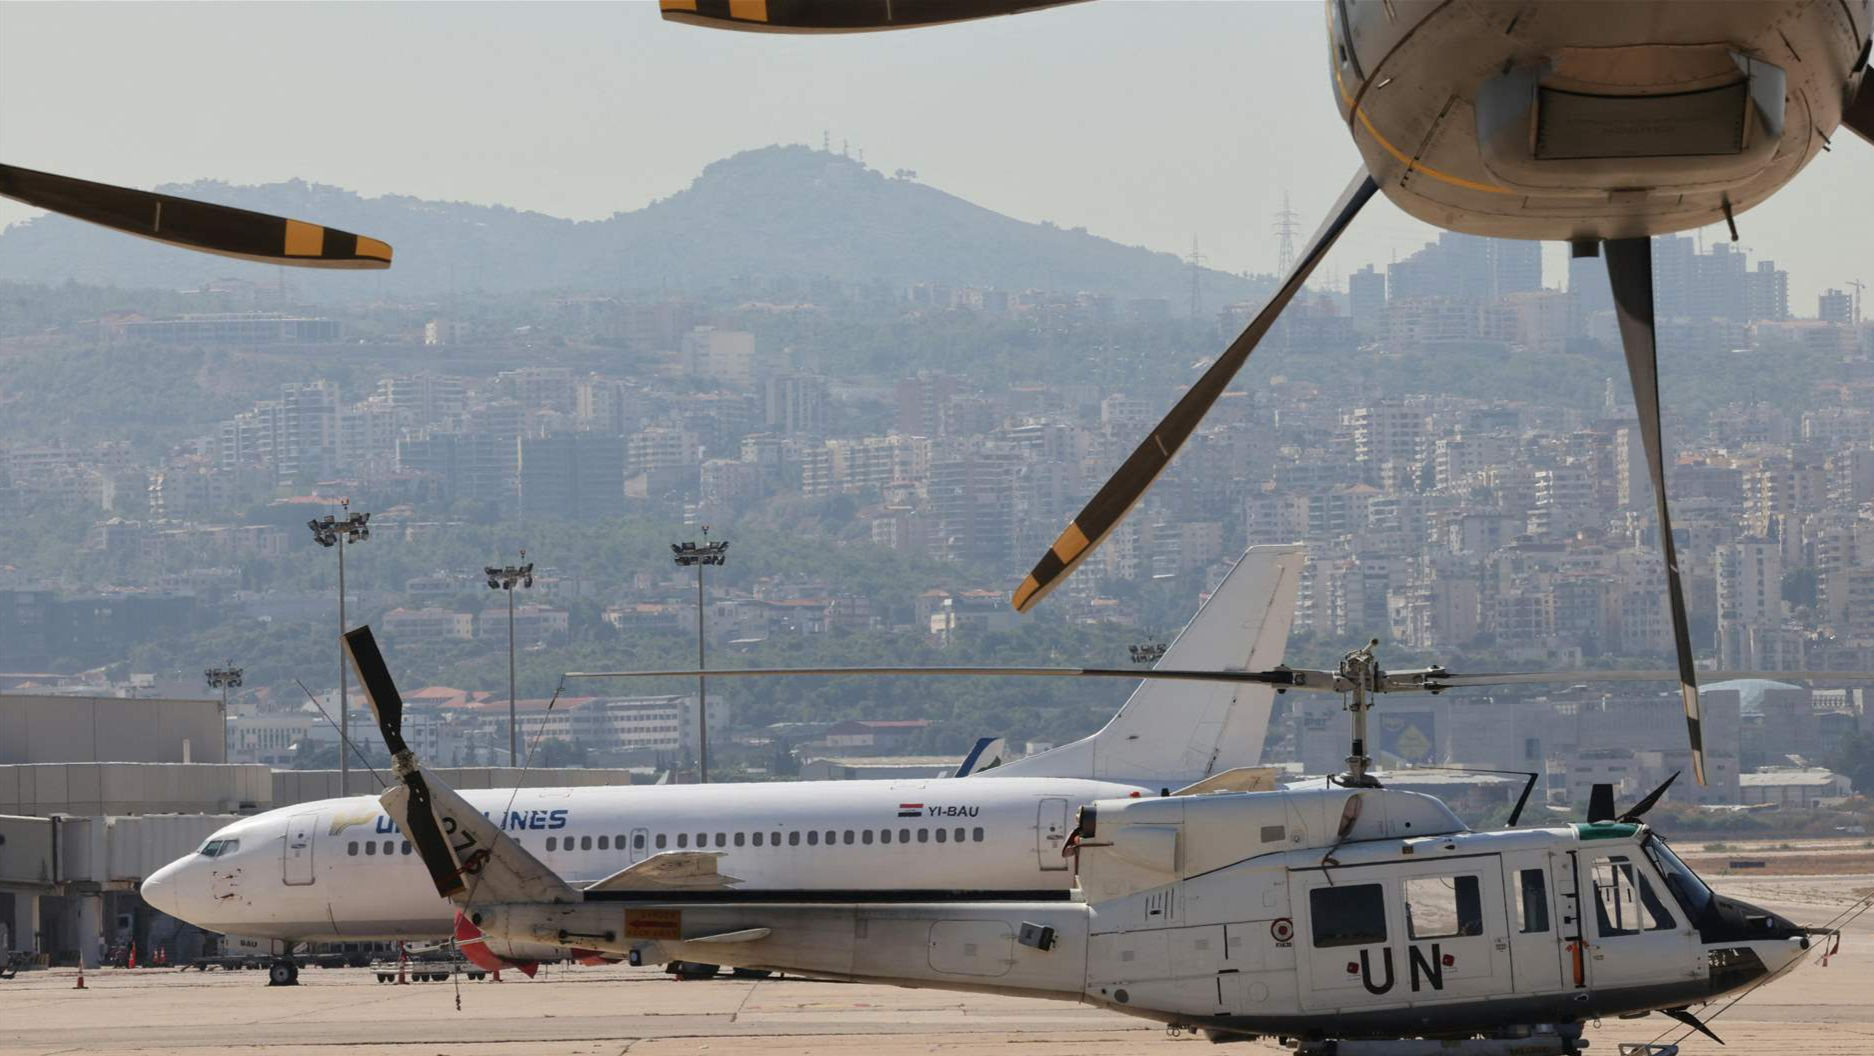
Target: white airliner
[(339, 869)]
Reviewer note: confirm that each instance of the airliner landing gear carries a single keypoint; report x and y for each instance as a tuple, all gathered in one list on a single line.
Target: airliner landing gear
[(692, 970), (284, 971)]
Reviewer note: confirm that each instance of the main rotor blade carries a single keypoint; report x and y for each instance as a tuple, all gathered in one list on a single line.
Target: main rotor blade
[(380, 690), (189, 224), (1265, 678), (1125, 487), (1446, 680), (1858, 115), (838, 16), (1630, 270)]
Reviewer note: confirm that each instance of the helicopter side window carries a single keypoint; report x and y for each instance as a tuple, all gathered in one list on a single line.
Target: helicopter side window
[(1532, 901), (1624, 902), (1440, 907), (1348, 916)]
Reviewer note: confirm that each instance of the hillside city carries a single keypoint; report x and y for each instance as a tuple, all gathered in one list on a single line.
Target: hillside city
[(1449, 433)]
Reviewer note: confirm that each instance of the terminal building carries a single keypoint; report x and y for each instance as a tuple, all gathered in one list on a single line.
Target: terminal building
[(98, 793)]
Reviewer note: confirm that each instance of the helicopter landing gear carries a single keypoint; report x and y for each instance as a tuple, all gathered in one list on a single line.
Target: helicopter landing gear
[(1561, 1040)]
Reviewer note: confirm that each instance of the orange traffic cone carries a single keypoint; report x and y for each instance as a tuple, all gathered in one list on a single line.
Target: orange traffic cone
[(133, 956), (81, 974)]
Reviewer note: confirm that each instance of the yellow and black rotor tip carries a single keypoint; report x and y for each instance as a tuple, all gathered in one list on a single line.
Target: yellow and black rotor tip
[(184, 222), (1062, 558)]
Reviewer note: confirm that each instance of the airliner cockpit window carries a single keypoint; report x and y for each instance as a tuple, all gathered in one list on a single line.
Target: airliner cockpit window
[(211, 848)]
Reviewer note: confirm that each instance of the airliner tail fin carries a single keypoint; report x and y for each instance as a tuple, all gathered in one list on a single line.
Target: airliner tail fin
[(1175, 733)]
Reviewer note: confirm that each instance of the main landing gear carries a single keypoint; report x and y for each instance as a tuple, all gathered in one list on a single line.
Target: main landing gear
[(284, 971)]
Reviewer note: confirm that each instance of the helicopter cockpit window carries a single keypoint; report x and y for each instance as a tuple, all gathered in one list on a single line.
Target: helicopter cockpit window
[(1624, 902), (1348, 916), (1684, 884), (1440, 907)]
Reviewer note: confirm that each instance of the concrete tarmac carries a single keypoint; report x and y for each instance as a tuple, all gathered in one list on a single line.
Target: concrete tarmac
[(605, 1011)]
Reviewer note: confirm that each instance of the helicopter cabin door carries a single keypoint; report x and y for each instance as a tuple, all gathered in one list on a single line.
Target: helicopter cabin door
[(1535, 925), (1634, 936), (1385, 936)]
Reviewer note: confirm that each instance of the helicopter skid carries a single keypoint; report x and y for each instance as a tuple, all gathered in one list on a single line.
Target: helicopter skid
[(1545, 1043)]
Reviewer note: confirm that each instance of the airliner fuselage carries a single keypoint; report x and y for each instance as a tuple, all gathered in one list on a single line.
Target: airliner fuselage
[(340, 869)]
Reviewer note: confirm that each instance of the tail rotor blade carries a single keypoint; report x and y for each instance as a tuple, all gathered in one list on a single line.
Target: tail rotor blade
[(189, 224), (1630, 269), (1125, 487)]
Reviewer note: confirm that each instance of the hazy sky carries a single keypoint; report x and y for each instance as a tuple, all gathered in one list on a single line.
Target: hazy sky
[(1145, 122)]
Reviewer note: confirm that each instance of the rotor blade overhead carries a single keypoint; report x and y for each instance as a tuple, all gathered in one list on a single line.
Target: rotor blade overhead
[(1858, 115), (387, 704), (189, 224), (839, 16), (1125, 487), (1630, 270)]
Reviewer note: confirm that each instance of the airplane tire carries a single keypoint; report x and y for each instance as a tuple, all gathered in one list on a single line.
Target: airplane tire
[(282, 973), (693, 970)]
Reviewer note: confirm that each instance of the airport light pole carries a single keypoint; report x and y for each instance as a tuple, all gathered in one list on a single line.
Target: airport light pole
[(699, 555), (224, 679), (337, 533), (507, 577)]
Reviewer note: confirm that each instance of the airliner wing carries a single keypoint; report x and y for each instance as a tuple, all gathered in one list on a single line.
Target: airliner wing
[(668, 870)]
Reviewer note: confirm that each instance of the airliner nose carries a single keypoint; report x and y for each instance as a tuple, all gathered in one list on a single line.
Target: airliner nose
[(161, 890)]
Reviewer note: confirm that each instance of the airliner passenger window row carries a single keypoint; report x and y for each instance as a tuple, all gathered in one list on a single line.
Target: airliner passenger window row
[(863, 837)]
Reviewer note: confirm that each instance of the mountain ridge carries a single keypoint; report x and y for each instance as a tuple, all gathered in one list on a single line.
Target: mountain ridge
[(758, 218)]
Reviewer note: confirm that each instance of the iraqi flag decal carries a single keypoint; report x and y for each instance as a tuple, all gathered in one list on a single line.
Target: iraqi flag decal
[(910, 810)]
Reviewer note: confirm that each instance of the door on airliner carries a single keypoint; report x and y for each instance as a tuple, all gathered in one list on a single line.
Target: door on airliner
[(1051, 833), (1537, 950), (296, 851)]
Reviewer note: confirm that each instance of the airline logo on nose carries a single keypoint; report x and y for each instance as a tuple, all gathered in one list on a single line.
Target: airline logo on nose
[(345, 819)]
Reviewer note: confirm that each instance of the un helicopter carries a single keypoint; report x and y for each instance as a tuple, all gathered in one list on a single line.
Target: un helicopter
[(1345, 919), (1599, 124)]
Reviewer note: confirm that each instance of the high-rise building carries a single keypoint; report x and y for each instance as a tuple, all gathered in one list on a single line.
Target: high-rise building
[(796, 404), (1835, 306), (571, 476), (1366, 301), (1768, 290), (1516, 266)]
